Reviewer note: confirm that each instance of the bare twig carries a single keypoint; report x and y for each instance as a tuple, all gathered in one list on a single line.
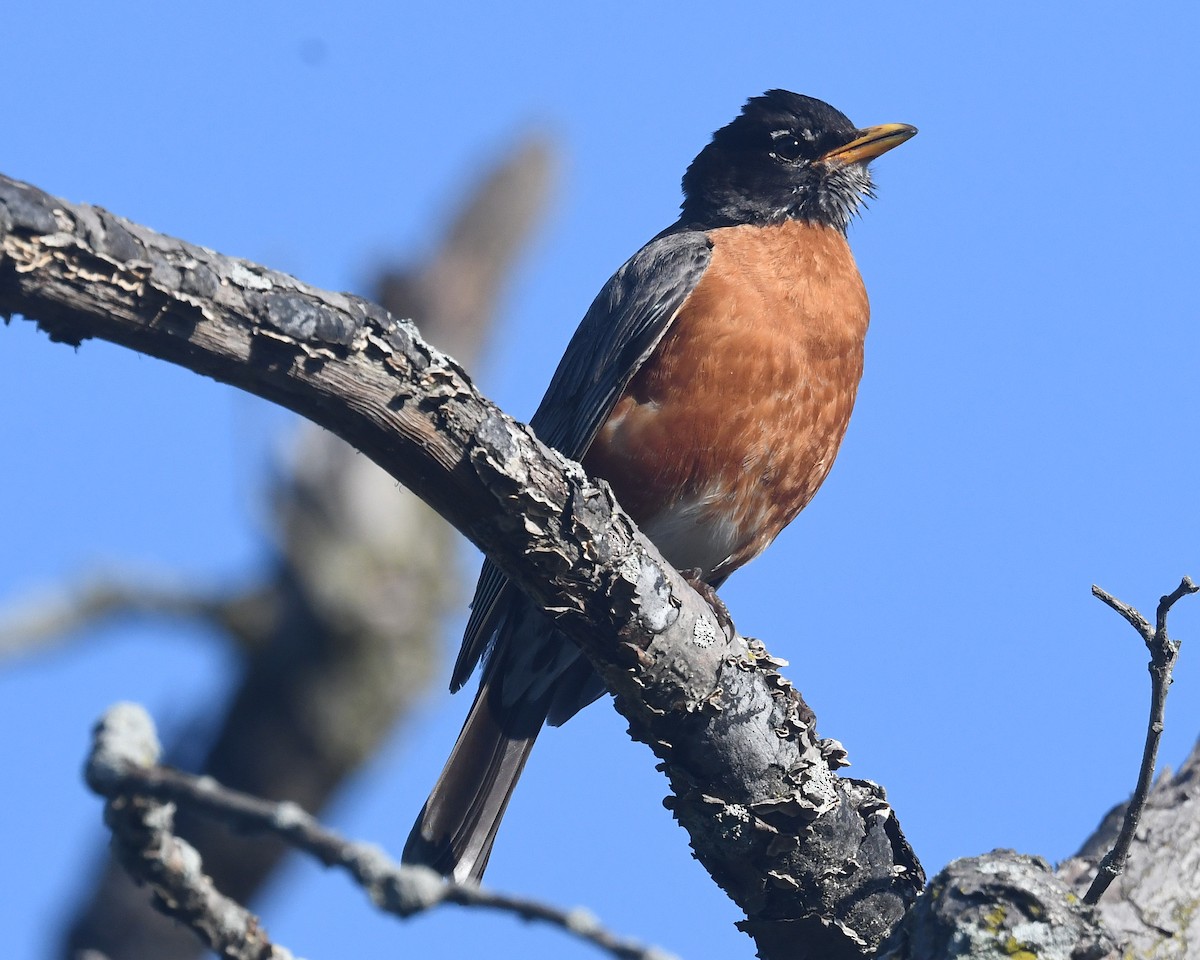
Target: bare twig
[(123, 767), (1152, 906), (44, 620), (1163, 653)]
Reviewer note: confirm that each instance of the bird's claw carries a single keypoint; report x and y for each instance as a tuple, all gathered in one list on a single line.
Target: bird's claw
[(694, 578)]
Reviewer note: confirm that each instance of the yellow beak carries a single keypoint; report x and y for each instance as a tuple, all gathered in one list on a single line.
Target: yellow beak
[(870, 143)]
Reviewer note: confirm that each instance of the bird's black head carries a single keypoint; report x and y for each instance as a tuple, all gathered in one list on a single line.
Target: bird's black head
[(785, 157)]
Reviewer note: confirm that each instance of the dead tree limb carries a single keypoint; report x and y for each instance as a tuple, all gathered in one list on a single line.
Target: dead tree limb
[(1163, 653), (818, 863)]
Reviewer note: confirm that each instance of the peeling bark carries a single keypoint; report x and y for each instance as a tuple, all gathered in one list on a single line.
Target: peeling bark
[(831, 873)]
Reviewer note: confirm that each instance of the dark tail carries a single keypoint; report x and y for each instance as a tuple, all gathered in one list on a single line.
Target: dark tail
[(457, 826)]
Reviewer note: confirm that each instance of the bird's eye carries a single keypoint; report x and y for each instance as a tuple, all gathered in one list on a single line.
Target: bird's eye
[(786, 147)]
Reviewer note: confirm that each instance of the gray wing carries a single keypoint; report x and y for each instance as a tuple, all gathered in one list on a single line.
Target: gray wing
[(621, 328)]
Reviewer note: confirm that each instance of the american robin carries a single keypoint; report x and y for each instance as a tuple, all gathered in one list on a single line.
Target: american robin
[(710, 384)]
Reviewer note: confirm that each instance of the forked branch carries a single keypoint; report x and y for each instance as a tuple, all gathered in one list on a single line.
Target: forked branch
[(1163, 653)]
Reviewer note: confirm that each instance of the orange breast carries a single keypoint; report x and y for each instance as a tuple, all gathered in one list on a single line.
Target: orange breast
[(729, 428)]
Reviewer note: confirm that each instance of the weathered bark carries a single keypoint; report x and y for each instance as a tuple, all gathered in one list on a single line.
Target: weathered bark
[(1006, 905), (1001, 906), (818, 863)]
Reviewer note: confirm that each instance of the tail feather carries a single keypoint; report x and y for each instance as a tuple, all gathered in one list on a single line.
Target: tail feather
[(457, 826)]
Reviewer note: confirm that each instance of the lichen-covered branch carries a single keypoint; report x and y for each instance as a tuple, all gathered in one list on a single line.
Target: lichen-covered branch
[(1001, 906)]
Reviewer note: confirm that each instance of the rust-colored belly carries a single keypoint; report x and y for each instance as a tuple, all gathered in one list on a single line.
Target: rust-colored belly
[(729, 428)]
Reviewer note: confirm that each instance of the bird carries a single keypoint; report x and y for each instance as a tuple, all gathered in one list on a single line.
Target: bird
[(709, 384)]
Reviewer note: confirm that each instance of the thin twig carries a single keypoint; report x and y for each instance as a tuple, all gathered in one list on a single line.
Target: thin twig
[(123, 767), (1163, 653), (49, 618)]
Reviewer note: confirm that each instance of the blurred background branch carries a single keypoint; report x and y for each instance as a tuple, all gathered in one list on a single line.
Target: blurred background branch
[(344, 633), (141, 798)]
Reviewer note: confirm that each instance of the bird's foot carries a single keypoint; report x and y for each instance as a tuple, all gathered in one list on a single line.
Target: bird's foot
[(715, 603)]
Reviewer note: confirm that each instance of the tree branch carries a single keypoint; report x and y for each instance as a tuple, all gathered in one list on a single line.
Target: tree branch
[(1003, 904), (1163, 653), (1152, 906), (344, 630), (48, 618), (818, 863), (123, 768)]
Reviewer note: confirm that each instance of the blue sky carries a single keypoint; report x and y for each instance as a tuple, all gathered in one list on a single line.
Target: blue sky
[(1026, 426)]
